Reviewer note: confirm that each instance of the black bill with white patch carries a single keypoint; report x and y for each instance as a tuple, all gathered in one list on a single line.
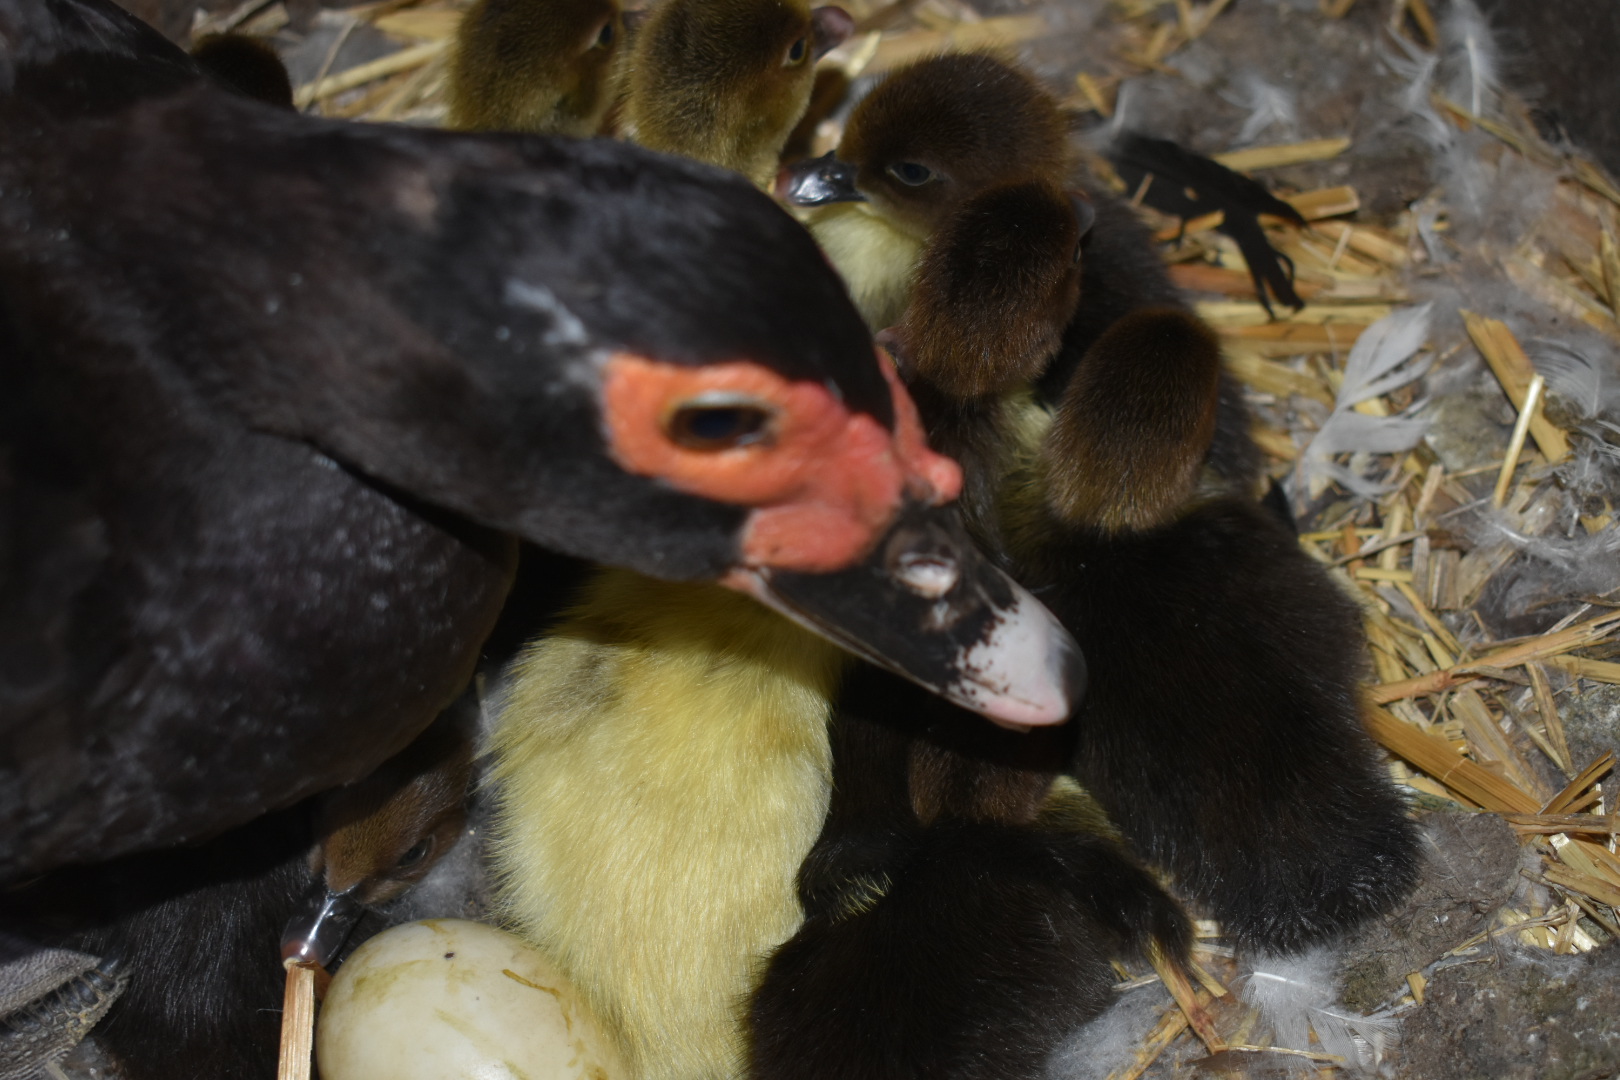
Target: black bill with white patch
[(928, 605)]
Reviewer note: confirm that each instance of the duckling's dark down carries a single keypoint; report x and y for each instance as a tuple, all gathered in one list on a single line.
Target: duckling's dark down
[(247, 65), (960, 918), (267, 454)]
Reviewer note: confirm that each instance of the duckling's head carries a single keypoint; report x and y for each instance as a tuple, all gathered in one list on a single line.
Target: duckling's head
[(725, 81), (936, 133), (378, 837), (544, 66), (247, 65)]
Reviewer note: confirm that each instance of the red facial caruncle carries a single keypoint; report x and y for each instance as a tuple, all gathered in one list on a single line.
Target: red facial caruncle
[(824, 481)]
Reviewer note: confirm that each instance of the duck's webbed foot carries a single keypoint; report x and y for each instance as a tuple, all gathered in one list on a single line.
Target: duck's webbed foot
[(970, 951)]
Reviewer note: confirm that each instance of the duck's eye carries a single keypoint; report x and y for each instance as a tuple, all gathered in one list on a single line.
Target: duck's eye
[(910, 173), (719, 425), (418, 852), (797, 52), (605, 37)]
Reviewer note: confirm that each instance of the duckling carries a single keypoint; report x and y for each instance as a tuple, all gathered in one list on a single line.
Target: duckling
[(379, 837), (545, 66), (247, 65), (991, 295), (266, 474), (961, 911), (195, 929), (1233, 661), (1225, 669), (725, 81), (916, 151), (926, 138)]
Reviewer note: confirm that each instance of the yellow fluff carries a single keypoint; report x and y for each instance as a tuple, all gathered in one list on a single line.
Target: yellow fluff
[(874, 257), (663, 768)]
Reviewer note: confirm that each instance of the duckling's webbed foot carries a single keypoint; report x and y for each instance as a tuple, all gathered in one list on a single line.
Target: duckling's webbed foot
[(972, 956), (1135, 422), (1220, 730)]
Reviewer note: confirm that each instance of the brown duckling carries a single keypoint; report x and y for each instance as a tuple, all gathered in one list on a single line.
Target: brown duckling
[(1224, 663), (725, 81), (927, 138), (918, 150), (247, 65), (545, 66), (962, 911), (377, 838)]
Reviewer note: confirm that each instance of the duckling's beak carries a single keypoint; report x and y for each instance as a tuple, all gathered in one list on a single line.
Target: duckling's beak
[(817, 182), (321, 925), (927, 605)]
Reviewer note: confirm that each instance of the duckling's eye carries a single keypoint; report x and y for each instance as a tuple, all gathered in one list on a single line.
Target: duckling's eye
[(910, 173), (605, 38), (797, 52), (418, 852), (719, 425)]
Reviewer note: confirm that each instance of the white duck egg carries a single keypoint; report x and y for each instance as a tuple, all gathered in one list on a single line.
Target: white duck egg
[(446, 999)]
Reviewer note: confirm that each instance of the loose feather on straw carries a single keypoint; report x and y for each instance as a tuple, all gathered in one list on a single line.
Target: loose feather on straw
[(1269, 106), (1470, 64), (1377, 365), (1296, 997)]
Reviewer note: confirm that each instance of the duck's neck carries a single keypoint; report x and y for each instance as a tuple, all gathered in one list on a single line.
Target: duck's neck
[(664, 768)]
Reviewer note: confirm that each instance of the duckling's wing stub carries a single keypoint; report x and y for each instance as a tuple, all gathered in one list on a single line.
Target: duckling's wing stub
[(927, 605)]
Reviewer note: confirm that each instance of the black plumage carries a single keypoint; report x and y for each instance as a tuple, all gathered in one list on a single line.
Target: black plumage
[(1220, 730), (193, 931), (279, 394)]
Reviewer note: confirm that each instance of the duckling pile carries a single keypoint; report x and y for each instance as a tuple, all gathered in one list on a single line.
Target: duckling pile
[(751, 855)]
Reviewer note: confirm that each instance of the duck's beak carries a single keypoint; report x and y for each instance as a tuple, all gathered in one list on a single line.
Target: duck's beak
[(817, 182), (321, 925), (927, 605)]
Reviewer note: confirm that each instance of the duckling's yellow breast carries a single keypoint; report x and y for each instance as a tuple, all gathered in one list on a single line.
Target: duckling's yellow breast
[(663, 768), (875, 258)]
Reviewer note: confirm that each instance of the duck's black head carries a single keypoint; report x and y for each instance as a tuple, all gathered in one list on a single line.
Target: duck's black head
[(610, 353)]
